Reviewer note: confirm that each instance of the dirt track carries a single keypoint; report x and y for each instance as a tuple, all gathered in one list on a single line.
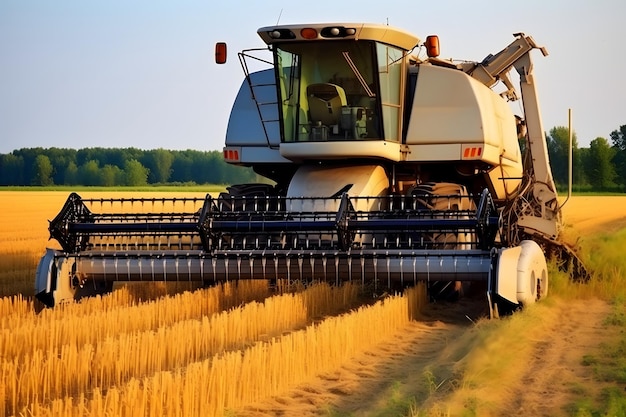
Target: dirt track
[(404, 367), (422, 358), (555, 370)]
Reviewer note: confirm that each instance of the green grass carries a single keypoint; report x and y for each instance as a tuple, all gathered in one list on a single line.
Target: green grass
[(603, 254), (588, 190), (496, 345), (607, 365)]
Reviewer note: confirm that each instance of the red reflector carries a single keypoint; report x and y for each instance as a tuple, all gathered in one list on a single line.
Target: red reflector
[(308, 33), (471, 152), (231, 154)]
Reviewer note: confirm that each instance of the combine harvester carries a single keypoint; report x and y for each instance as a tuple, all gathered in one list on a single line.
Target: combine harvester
[(383, 168)]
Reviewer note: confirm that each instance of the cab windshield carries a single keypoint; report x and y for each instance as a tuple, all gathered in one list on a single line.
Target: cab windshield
[(339, 90)]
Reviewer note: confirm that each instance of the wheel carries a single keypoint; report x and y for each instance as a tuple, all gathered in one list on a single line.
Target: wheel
[(446, 200), (241, 197), (245, 202), (532, 273)]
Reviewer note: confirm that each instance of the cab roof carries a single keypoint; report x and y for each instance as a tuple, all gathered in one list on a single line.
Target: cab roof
[(334, 31)]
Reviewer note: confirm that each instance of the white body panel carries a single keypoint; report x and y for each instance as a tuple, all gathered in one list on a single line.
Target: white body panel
[(357, 181), (451, 111), (54, 277), (451, 107), (363, 31), (302, 151), (246, 131), (316, 181)]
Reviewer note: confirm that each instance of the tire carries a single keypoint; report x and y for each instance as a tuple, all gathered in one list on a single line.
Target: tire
[(440, 198)]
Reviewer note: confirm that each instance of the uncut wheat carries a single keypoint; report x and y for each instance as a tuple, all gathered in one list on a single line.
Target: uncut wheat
[(233, 379)]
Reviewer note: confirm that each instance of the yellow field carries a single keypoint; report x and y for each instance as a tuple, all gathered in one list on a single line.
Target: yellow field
[(116, 356), (24, 217), (587, 215), (206, 352), (195, 353)]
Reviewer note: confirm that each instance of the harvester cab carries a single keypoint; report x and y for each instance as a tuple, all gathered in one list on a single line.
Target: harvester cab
[(381, 167)]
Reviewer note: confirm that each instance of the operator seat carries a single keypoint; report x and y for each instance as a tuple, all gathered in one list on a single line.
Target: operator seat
[(325, 103)]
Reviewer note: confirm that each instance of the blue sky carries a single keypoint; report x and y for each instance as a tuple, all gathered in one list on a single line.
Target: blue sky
[(78, 73)]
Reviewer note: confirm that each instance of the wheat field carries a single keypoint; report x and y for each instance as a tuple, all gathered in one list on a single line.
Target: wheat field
[(156, 352)]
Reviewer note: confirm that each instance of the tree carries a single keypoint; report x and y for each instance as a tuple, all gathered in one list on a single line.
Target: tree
[(102, 166), (108, 156), (584, 157), (618, 137), (60, 159), (558, 151), (215, 175), (42, 171), (70, 176), (234, 174), (11, 170), (29, 156), (89, 173), (111, 175), (203, 170), (159, 162), (598, 166), (135, 173), (182, 168)]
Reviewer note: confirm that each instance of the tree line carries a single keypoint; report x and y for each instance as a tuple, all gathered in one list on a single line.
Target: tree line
[(117, 167), (600, 167)]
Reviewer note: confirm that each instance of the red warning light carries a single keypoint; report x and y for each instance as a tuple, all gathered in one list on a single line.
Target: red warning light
[(432, 46), (308, 33), (220, 53)]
